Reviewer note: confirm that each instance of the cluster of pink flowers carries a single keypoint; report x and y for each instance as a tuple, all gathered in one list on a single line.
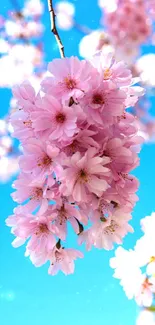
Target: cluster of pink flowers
[(128, 24), (20, 44), (125, 42), (21, 57), (79, 147), (136, 268)]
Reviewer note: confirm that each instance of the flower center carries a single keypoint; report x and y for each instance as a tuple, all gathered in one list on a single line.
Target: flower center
[(62, 217), (152, 259), (146, 284), (42, 229), (83, 175), (37, 194), (44, 161), (98, 99), (60, 118), (107, 74), (70, 83), (112, 228), (28, 123), (58, 256)]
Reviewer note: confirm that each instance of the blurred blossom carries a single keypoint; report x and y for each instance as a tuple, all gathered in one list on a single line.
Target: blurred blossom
[(145, 66), (136, 268), (145, 318), (33, 8), (3, 127), (21, 29), (93, 42), (4, 46), (8, 167), (108, 5), (19, 64), (65, 14)]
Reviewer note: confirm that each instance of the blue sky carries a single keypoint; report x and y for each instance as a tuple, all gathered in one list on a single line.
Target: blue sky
[(28, 295)]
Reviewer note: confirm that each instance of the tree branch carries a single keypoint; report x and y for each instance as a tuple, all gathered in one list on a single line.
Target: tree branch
[(54, 29)]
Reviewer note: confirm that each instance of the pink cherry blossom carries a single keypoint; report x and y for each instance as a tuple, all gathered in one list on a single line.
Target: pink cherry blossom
[(105, 232), (38, 159), (65, 212), (55, 120), (26, 189), (116, 72), (64, 14), (25, 95), (102, 103), (63, 259), (79, 146), (82, 175), (38, 230), (70, 78)]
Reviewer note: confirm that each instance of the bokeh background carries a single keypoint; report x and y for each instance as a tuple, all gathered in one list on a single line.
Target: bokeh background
[(28, 295)]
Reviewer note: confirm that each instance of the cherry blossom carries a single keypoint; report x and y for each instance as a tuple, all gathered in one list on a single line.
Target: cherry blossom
[(65, 14), (136, 268), (63, 259), (79, 146)]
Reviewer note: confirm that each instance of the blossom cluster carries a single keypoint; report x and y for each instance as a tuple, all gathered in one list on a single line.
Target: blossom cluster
[(136, 268), (120, 19), (21, 57), (117, 34), (20, 45), (79, 146)]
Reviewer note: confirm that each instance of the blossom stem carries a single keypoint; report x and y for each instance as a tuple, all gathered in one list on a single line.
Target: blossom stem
[(81, 228), (54, 29), (58, 244)]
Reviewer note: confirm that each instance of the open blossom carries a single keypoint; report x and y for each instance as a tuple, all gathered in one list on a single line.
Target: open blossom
[(63, 213), (70, 78), (54, 119), (102, 103), (38, 230), (25, 189), (82, 175), (63, 259), (79, 146), (111, 70), (38, 159), (105, 232), (25, 95)]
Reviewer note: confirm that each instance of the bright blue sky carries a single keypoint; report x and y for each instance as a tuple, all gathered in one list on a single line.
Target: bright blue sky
[(90, 296)]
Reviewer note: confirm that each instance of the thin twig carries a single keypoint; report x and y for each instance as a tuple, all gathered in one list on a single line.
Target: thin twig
[(54, 29)]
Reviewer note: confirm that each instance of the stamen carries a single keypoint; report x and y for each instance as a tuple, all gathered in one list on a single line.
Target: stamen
[(98, 99), (70, 83), (60, 118)]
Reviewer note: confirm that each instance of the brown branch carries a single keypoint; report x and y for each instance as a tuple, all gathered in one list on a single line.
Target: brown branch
[(54, 29)]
